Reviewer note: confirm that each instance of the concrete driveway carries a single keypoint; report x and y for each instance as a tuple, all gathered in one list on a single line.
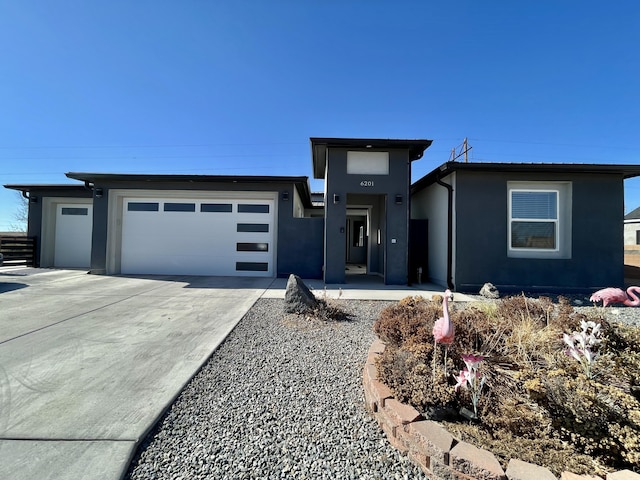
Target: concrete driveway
[(88, 363)]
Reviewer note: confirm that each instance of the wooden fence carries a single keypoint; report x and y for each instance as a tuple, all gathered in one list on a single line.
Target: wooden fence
[(18, 250)]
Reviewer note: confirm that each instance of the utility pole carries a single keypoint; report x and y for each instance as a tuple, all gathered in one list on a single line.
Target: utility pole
[(464, 150)]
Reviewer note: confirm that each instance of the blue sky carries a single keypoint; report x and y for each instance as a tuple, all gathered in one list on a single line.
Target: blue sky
[(238, 87)]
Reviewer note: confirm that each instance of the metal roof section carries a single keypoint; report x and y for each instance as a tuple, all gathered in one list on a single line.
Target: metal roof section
[(319, 148), (627, 171), (163, 178)]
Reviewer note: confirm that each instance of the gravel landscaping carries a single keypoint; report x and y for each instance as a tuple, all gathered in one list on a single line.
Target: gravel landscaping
[(281, 398)]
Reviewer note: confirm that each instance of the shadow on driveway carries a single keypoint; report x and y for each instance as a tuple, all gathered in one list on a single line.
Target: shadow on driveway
[(11, 286)]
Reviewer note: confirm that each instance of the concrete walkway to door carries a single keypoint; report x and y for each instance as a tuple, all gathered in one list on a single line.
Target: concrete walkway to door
[(88, 363)]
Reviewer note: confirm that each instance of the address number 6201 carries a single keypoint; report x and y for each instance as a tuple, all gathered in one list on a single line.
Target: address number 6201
[(366, 183)]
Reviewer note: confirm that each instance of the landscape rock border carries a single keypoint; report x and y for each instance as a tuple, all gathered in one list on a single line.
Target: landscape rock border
[(435, 450)]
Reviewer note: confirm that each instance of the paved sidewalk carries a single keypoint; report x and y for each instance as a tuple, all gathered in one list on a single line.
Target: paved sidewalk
[(363, 287)]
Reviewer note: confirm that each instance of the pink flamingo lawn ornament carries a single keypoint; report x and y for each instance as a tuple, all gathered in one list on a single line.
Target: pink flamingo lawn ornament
[(444, 330), (616, 295)]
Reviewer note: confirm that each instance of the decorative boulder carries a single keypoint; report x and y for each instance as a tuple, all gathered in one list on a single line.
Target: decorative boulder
[(298, 298), (488, 290)]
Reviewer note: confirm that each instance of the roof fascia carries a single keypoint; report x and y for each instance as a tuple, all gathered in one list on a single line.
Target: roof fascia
[(40, 187)]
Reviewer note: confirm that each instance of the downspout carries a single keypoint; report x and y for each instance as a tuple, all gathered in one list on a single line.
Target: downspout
[(449, 232)]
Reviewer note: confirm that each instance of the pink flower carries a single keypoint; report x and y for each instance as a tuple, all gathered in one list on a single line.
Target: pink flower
[(472, 361), (462, 379)]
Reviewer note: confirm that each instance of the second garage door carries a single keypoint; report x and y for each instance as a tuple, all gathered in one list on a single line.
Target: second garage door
[(74, 224), (198, 237)]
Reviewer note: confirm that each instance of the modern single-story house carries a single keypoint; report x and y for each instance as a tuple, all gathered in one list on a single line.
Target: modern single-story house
[(520, 226)]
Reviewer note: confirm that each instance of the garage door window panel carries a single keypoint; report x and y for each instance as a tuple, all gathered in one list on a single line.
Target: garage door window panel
[(253, 227), (74, 211), (179, 207), (252, 208), (216, 208), (143, 206), (252, 247), (252, 266)]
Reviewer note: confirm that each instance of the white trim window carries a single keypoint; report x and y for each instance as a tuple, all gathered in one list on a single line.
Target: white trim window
[(539, 220)]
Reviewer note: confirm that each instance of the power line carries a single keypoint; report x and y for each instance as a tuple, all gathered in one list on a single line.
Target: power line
[(551, 144), (152, 157), (7, 147)]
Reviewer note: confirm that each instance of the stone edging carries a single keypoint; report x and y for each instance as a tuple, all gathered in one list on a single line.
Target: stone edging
[(435, 450)]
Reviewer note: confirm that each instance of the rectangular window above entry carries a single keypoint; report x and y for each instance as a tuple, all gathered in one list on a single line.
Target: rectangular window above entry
[(368, 163), (539, 219)]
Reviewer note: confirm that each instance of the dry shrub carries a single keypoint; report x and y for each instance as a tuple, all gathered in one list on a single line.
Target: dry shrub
[(536, 405), (404, 370), (409, 321), (330, 310), (559, 456)]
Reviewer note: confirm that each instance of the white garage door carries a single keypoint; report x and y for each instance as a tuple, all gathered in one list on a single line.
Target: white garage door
[(74, 224), (198, 237)]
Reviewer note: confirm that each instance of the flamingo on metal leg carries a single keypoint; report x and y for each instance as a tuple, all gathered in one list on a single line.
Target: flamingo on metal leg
[(443, 329), (616, 295)]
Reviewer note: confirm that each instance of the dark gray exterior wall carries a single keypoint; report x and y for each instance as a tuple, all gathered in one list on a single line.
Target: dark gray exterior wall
[(99, 235), (299, 240), (481, 235), (395, 221), (300, 247)]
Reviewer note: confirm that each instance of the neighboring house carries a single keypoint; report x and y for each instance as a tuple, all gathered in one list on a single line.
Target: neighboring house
[(632, 227), (519, 226)]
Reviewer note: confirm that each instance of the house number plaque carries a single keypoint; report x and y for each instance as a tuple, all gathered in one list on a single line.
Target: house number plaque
[(366, 183)]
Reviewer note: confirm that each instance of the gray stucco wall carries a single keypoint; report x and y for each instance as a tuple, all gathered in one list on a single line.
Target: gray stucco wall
[(100, 230), (481, 235), (300, 247), (393, 257)]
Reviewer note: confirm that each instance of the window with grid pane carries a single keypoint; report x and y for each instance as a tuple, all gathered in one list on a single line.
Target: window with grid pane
[(534, 219)]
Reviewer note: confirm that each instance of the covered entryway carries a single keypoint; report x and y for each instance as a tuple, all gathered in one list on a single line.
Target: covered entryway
[(73, 227), (357, 237), (198, 236)]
